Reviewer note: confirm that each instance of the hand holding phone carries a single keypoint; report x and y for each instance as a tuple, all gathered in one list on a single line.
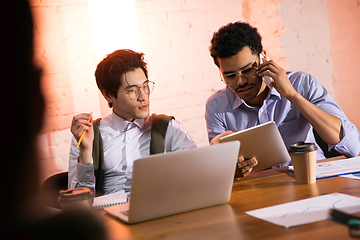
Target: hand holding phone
[(268, 80)]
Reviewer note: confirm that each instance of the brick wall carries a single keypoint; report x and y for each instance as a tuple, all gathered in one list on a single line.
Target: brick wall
[(64, 49), (306, 40), (344, 18), (175, 36)]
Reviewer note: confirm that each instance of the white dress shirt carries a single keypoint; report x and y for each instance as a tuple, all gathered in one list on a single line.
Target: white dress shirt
[(123, 142)]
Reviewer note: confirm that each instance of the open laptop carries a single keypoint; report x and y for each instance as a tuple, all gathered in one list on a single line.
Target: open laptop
[(177, 182), (262, 142)]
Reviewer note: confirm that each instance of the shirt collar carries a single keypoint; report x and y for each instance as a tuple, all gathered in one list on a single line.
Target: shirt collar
[(123, 125), (275, 93), (238, 101)]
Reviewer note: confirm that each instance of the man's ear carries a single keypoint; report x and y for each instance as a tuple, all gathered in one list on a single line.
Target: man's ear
[(263, 52), (108, 97)]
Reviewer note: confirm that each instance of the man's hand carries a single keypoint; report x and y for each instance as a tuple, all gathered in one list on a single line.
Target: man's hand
[(326, 125), (216, 139), (281, 82), (79, 124), (244, 167)]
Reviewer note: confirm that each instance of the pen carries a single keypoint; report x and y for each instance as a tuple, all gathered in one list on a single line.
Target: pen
[(82, 134)]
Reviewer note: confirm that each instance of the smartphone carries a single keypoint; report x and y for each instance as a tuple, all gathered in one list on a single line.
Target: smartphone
[(267, 80)]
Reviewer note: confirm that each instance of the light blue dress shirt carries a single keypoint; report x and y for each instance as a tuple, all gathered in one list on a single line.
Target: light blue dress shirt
[(123, 143), (226, 111)]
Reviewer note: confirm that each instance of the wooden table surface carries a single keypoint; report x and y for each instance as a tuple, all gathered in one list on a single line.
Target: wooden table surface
[(229, 221)]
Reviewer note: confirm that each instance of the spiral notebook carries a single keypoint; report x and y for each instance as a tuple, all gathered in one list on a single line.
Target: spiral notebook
[(110, 200)]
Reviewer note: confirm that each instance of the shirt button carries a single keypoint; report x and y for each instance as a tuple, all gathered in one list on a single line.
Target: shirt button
[(261, 110)]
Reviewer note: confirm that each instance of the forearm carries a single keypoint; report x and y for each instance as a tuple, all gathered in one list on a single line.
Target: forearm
[(79, 175), (326, 125), (85, 155)]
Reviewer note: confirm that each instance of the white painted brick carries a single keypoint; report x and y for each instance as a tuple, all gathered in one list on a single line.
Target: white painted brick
[(188, 15), (175, 36), (147, 18), (155, 42), (158, 5)]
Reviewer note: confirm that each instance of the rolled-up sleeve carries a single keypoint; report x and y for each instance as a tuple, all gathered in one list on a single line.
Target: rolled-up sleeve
[(80, 175), (349, 145)]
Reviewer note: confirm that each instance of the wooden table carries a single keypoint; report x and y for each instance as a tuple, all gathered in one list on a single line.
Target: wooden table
[(229, 221)]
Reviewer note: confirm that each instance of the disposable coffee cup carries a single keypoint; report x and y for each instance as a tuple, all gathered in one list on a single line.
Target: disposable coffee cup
[(303, 157), (76, 199)]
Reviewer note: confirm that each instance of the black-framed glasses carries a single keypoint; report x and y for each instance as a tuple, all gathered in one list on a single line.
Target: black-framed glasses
[(233, 77), (134, 91)]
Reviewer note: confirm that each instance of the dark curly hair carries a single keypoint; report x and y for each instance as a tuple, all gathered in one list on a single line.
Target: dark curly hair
[(231, 38), (109, 71)]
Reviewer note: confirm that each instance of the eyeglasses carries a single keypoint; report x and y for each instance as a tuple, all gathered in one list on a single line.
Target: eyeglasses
[(232, 78), (134, 91)]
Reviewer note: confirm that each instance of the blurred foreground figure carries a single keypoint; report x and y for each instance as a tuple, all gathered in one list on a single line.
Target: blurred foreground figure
[(22, 214)]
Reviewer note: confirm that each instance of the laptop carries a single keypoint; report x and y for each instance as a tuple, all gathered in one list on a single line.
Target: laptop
[(177, 182), (262, 142)]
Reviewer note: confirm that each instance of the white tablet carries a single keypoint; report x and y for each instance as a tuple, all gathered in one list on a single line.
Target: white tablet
[(262, 142)]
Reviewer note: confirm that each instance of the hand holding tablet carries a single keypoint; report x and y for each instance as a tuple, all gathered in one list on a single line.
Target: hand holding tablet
[(262, 142)]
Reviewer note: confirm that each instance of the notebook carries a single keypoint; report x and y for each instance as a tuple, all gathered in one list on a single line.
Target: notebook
[(177, 182), (336, 168), (110, 200), (262, 142)]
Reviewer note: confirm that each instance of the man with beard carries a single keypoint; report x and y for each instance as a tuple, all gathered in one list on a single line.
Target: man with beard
[(295, 101)]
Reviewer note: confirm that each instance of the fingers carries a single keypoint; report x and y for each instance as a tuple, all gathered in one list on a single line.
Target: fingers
[(81, 122), (267, 64), (268, 68), (244, 167), (280, 79), (247, 165), (252, 162), (216, 139)]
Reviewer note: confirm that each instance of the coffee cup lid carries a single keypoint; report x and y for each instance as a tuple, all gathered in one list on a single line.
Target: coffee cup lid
[(302, 147), (74, 195)]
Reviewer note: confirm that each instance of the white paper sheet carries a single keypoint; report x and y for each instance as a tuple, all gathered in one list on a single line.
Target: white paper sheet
[(352, 176), (307, 210), (336, 168)]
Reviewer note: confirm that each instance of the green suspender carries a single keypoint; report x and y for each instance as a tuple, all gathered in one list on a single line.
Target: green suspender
[(159, 124), (98, 158)]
